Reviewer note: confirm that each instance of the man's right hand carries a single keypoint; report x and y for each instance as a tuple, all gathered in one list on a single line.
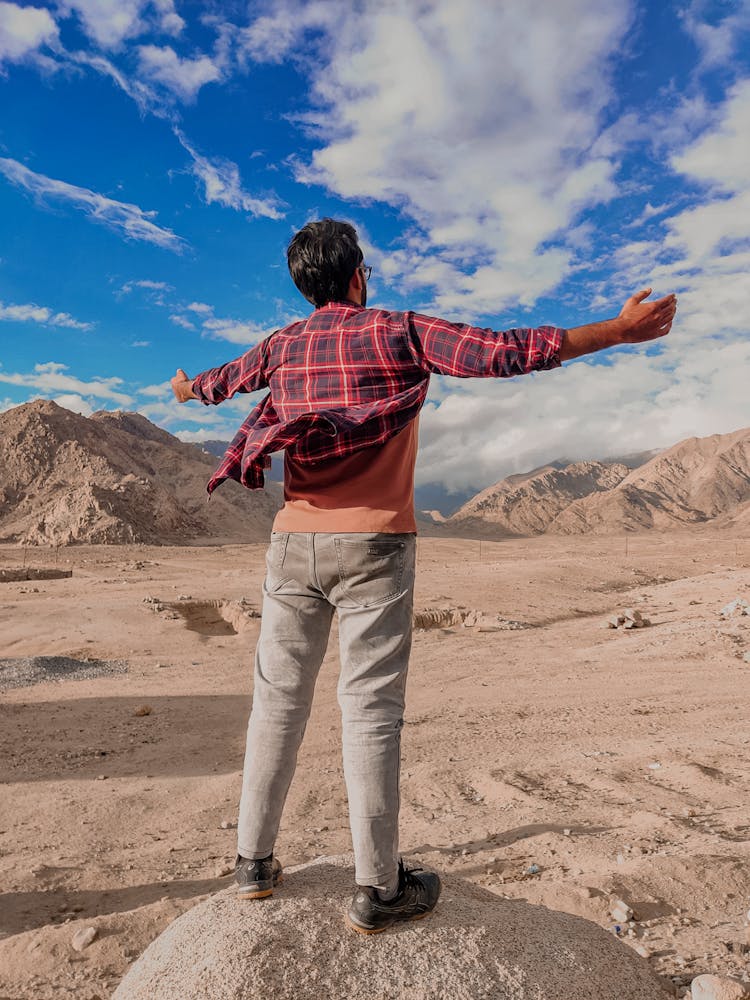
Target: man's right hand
[(639, 321), (647, 320)]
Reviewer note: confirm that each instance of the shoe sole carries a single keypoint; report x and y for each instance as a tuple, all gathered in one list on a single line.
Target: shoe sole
[(379, 930), (258, 893)]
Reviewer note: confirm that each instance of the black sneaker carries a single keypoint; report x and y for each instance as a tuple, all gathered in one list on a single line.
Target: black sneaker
[(416, 897), (256, 879)]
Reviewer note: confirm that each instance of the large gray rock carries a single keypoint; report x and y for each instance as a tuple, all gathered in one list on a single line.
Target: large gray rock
[(295, 946)]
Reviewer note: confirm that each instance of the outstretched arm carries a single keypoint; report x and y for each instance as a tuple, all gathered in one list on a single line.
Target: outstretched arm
[(639, 321), (245, 374)]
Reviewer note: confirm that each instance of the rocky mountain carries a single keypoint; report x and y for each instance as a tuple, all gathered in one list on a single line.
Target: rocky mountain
[(528, 504), (114, 478), (697, 481)]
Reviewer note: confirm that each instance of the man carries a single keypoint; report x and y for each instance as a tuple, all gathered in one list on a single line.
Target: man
[(346, 385)]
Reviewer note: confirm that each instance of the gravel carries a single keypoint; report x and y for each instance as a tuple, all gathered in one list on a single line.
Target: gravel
[(23, 671)]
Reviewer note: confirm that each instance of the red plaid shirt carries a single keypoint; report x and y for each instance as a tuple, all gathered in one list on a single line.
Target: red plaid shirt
[(348, 378)]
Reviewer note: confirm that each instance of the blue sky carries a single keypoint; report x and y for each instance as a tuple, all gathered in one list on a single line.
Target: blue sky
[(506, 164)]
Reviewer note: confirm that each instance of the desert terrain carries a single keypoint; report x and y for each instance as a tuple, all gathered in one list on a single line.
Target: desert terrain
[(563, 762)]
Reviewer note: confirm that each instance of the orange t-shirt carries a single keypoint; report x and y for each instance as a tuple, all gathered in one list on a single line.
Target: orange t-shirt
[(371, 490)]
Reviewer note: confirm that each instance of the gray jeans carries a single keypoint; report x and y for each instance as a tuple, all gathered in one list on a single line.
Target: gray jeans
[(369, 580)]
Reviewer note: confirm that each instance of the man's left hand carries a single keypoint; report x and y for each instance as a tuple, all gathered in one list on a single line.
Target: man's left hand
[(182, 387)]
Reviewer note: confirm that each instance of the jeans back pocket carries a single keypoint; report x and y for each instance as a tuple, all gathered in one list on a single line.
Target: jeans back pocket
[(371, 571)]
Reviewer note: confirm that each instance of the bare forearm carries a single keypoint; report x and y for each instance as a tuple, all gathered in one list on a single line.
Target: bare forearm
[(591, 338)]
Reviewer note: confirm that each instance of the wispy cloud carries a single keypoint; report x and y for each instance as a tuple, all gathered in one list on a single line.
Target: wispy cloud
[(144, 96), (182, 321), (717, 41), (129, 220), (181, 77), (24, 31), (109, 23), (32, 313), (235, 331), (51, 377), (222, 184), (148, 285)]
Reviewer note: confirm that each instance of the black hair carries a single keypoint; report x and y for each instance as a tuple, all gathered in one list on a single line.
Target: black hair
[(322, 258)]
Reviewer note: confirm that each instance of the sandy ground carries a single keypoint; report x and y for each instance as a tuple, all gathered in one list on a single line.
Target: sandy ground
[(614, 761)]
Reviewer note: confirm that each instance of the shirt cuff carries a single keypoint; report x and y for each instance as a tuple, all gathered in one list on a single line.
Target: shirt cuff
[(199, 389), (547, 350)]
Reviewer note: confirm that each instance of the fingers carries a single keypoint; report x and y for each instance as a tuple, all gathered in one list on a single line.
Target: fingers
[(640, 296), (181, 375)]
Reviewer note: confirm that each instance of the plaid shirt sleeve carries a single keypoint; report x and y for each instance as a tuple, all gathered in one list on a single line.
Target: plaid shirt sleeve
[(244, 374), (473, 352)]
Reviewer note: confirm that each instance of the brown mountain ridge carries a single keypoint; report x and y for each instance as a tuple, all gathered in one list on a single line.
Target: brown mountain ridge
[(697, 481), (115, 478)]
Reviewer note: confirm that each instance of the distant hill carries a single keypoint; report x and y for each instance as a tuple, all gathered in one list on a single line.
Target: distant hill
[(697, 481), (115, 478)]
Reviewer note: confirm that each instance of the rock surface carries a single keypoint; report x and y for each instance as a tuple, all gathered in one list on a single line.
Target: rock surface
[(295, 945), (717, 988)]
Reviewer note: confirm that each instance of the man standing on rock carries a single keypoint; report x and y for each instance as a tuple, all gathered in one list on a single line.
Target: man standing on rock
[(346, 386)]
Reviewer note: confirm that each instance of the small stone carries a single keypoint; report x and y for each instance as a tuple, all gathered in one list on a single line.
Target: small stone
[(746, 657), (566, 831), (620, 911), (717, 988), (737, 606), (227, 824), (101, 777), (143, 710), (533, 869), (83, 938), (642, 951), (620, 859)]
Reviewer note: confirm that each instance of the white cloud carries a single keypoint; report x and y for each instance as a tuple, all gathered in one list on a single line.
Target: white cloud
[(182, 77), (141, 343), (31, 313), (75, 403), (51, 379), (147, 285), (145, 97), (156, 391), (236, 331), (223, 184), (720, 156), (476, 120), (717, 42), (110, 22), (198, 437), (202, 308), (129, 220), (23, 31), (181, 321)]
